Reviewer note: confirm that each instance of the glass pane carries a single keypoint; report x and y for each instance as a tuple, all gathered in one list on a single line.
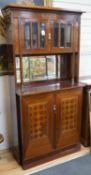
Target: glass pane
[(34, 35), (27, 35), (18, 78), (56, 26), (62, 34), (59, 66), (37, 68), (51, 66), (68, 35), (17, 63), (42, 34), (26, 69)]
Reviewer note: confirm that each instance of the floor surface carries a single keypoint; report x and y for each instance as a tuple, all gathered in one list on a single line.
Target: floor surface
[(9, 166)]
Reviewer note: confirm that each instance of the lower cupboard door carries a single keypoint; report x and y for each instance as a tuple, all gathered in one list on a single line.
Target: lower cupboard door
[(68, 120), (37, 125)]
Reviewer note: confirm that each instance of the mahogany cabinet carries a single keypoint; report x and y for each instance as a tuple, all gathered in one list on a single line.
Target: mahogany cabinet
[(44, 88)]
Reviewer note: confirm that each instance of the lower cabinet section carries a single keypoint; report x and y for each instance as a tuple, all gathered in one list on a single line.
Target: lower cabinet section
[(49, 122)]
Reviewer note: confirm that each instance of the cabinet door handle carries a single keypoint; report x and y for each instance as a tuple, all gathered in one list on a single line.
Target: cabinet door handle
[(54, 108)]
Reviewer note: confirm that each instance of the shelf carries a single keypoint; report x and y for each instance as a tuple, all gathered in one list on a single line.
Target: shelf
[(48, 88)]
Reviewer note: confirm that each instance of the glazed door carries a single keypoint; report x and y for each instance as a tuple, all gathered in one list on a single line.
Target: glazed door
[(62, 34), (68, 119), (33, 36), (45, 33), (37, 111)]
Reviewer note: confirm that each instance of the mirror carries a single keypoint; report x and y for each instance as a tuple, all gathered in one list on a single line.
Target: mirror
[(37, 68), (26, 69), (18, 75), (51, 66)]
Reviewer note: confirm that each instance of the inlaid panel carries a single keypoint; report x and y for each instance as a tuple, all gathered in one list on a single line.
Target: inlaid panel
[(69, 114), (69, 105), (37, 114), (37, 124)]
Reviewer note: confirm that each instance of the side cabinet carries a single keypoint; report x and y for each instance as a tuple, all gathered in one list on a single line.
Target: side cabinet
[(68, 119)]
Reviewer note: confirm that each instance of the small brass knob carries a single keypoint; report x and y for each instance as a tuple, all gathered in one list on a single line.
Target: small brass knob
[(54, 108), (49, 36)]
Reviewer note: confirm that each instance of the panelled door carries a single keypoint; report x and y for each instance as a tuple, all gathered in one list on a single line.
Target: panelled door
[(51, 121), (62, 34), (37, 124), (68, 119), (45, 33), (33, 35)]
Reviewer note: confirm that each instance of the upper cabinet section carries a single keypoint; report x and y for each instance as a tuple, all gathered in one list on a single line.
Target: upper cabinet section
[(44, 30)]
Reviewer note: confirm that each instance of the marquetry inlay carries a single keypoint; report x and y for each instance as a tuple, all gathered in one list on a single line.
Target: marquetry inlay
[(37, 120), (69, 114)]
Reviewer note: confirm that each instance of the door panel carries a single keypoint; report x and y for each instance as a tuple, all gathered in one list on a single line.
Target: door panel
[(33, 36), (37, 125), (46, 33), (62, 33), (68, 117)]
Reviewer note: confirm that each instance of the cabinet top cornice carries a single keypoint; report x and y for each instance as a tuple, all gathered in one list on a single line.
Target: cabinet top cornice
[(44, 8)]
